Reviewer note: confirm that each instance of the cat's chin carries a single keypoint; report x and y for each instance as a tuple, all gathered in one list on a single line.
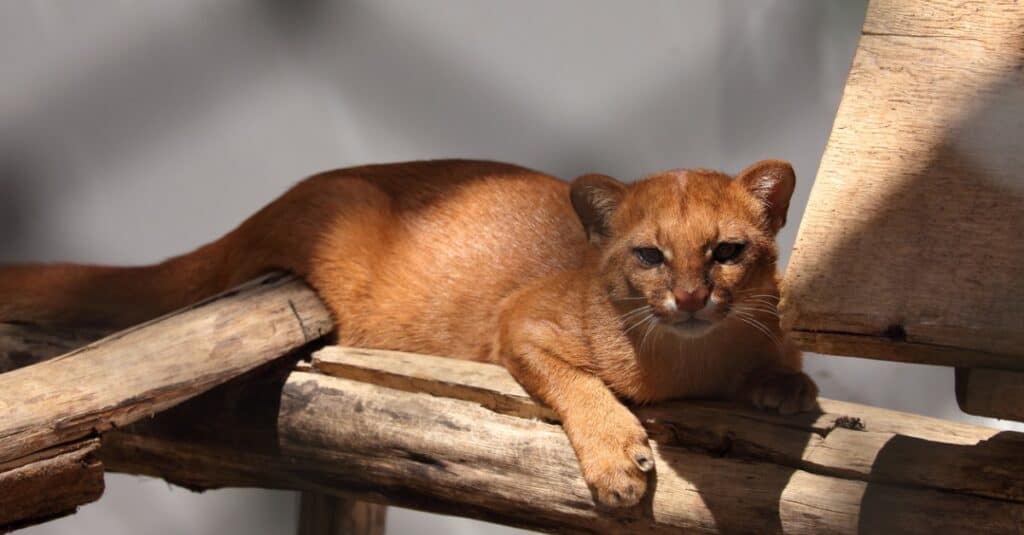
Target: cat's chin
[(691, 328)]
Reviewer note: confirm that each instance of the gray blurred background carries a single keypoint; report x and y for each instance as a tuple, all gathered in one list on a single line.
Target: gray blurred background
[(132, 131)]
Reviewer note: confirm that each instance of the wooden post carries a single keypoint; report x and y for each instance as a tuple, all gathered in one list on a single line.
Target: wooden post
[(324, 514)]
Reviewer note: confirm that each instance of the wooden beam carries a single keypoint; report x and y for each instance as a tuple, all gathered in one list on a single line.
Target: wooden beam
[(49, 483), (845, 440), (450, 454), (460, 437), (909, 249), (140, 371), (993, 393)]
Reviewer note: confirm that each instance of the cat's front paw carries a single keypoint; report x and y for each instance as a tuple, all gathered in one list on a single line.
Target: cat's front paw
[(785, 391), (615, 460)]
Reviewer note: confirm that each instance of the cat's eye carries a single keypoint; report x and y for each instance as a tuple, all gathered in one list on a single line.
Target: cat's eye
[(727, 252), (649, 256)]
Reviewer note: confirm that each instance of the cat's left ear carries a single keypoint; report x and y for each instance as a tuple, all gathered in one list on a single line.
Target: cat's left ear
[(595, 198), (772, 183)]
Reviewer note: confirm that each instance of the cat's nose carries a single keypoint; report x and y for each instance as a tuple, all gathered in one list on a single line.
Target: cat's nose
[(690, 301)]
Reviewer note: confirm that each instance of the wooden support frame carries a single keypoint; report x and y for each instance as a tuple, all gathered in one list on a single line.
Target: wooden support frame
[(462, 438)]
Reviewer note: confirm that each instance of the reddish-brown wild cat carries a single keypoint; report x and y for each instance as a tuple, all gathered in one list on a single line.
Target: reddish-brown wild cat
[(667, 289)]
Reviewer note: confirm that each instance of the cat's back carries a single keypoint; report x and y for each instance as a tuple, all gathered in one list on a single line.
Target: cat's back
[(422, 253)]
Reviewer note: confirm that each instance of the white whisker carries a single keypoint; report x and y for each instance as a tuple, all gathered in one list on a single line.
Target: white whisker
[(638, 323), (762, 328), (750, 320)]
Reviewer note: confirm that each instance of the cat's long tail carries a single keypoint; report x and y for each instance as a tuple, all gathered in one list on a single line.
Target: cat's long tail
[(276, 237), (111, 297)]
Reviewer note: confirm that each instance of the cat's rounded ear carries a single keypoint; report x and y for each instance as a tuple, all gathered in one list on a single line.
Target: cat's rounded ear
[(772, 183), (595, 198)]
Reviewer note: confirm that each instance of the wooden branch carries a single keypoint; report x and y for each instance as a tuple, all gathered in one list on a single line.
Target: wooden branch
[(461, 438), (49, 484), (995, 393), (140, 371), (846, 440), (457, 455)]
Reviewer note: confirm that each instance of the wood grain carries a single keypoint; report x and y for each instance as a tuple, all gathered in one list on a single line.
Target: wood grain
[(140, 371), (909, 248), (917, 450), (50, 483)]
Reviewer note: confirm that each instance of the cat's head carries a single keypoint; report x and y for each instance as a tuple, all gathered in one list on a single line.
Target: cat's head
[(688, 248)]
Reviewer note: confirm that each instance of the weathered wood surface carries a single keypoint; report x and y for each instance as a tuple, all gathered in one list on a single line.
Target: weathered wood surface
[(50, 483), (406, 433), (994, 393), (934, 453), (324, 514), (910, 246), (143, 370), (394, 444)]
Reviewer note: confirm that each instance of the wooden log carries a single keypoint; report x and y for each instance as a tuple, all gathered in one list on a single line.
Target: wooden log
[(909, 249), (49, 483), (446, 454), (846, 440), (324, 514), (994, 393), (143, 370), (407, 434)]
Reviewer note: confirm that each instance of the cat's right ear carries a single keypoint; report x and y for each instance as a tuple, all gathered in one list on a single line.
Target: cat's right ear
[(595, 198)]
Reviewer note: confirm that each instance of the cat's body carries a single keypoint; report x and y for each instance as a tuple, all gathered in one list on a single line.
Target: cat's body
[(489, 261)]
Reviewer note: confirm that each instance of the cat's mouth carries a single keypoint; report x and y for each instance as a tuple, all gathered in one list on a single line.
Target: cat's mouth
[(691, 327), (691, 322)]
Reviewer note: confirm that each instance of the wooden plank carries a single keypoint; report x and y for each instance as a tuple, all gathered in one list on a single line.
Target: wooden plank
[(324, 514), (49, 484), (918, 451), (140, 371), (909, 248), (994, 393)]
